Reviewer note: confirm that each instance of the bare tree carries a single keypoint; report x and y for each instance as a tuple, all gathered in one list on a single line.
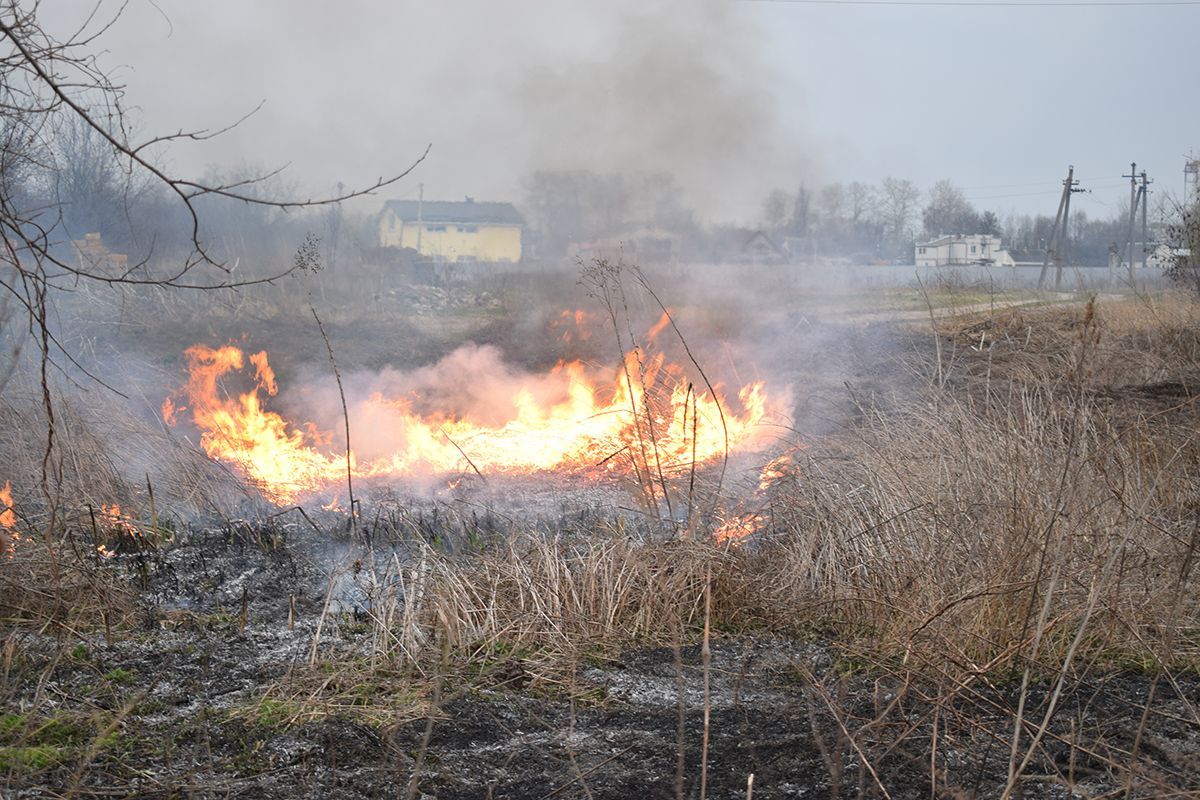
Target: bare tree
[(1182, 234), (776, 209), (898, 200), (801, 220), (573, 206), (949, 211), (50, 89)]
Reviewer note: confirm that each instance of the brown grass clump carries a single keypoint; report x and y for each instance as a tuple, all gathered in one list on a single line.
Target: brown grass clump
[(1003, 520), (113, 481), (552, 599)]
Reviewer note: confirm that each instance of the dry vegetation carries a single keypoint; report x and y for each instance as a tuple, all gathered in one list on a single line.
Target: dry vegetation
[(1031, 521), (1043, 490), (1027, 523)]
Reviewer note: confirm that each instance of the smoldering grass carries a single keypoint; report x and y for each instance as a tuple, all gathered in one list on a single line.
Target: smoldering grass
[(913, 542)]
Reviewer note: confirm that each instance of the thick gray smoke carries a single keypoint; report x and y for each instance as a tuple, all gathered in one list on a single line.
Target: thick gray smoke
[(500, 89), (677, 88)]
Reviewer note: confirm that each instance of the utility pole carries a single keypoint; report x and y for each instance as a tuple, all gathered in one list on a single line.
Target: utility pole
[(420, 214), (1133, 199), (1145, 191), (1191, 180), (1068, 189), (1052, 244)]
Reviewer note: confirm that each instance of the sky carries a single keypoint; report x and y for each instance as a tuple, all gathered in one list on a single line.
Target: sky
[(733, 97)]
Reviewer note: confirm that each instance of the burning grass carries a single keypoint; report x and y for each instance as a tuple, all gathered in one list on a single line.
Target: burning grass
[(1023, 525)]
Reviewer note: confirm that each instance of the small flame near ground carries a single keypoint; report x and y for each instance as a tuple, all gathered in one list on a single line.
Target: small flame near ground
[(643, 418), (118, 530), (743, 524), (8, 522)]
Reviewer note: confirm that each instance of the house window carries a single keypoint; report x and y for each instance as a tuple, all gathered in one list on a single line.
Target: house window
[(972, 248), (435, 228), (922, 251), (468, 228)]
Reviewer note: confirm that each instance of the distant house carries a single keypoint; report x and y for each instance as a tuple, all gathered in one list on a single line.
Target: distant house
[(453, 230), (759, 248), (959, 249), (734, 245)]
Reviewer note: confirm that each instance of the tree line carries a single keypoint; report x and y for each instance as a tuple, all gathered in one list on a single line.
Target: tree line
[(855, 220)]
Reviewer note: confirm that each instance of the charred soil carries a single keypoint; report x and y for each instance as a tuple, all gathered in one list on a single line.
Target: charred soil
[(975, 581)]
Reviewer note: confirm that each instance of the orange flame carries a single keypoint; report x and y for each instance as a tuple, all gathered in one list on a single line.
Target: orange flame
[(775, 469), (8, 521), (663, 322), (644, 412), (738, 528), (114, 522), (748, 523), (576, 326)]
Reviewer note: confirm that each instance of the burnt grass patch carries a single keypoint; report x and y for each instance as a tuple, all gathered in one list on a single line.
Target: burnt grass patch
[(879, 636), (187, 702)]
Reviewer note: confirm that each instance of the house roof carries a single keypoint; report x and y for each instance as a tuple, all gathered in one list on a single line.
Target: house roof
[(959, 237), (468, 211), (761, 236)]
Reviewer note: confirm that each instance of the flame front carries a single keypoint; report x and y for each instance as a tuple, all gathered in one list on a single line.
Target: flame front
[(8, 522), (644, 419), (744, 524), (8, 518)]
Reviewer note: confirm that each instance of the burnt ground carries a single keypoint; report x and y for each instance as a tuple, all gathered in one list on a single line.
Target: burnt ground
[(194, 697), (185, 702)]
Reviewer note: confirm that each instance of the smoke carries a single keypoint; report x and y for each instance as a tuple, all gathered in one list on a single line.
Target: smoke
[(472, 382), (676, 88), (500, 89)]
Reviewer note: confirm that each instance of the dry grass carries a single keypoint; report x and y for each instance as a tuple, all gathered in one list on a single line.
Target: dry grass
[(987, 526), (105, 456), (1033, 518), (1034, 514), (552, 599)]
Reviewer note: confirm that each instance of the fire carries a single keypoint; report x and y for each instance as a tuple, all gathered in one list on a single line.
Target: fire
[(663, 322), (8, 522), (8, 519), (775, 469), (738, 528), (117, 529), (113, 521), (748, 523), (642, 418), (575, 326)]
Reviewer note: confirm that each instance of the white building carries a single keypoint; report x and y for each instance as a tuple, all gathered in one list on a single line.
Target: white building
[(976, 248)]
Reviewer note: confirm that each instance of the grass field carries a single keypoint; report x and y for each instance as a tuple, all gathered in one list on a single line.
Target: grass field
[(975, 582)]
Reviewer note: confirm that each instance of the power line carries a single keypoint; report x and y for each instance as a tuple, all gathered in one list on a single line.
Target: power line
[(988, 186), (987, 3), (1019, 194)]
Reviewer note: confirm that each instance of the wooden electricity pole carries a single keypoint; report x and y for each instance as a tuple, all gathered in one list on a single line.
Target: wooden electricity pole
[(1133, 201), (1144, 191), (1056, 246), (1068, 189)]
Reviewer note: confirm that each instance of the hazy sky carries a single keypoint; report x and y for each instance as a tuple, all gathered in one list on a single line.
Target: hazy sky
[(734, 97)]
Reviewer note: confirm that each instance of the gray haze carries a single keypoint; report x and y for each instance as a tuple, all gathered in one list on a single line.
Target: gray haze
[(734, 98)]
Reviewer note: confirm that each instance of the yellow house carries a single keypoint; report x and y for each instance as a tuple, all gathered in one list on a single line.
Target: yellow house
[(453, 231)]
